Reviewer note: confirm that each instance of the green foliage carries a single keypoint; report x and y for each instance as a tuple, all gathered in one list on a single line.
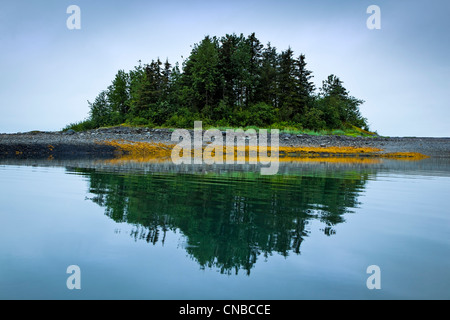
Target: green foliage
[(263, 114), (80, 126), (184, 118), (339, 107), (140, 121), (242, 118), (229, 81), (314, 119), (118, 96)]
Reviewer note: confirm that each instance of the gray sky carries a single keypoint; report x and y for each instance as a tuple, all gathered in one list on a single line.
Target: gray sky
[(401, 71)]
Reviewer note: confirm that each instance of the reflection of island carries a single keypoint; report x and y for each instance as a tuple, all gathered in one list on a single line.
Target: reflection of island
[(228, 221)]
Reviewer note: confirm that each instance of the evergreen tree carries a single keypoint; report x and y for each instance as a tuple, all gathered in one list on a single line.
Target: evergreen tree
[(243, 78), (305, 86), (101, 113), (136, 80), (288, 92), (229, 67), (340, 109), (118, 95), (166, 81), (146, 94), (175, 87), (268, 85), (333, 86), (201, 74), (254, 69)]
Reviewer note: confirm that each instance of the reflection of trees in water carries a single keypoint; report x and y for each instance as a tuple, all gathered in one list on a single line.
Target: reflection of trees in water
[(228, 221)]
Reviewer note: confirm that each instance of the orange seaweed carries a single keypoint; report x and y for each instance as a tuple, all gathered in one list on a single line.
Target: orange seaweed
[(158, 152)]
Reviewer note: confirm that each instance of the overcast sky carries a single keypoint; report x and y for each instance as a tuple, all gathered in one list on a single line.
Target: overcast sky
[(48, 72)]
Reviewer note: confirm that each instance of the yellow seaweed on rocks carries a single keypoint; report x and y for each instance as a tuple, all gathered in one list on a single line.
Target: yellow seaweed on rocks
[(330, 149), (156, 152), (132, 149), (404, 156), (347, 160)]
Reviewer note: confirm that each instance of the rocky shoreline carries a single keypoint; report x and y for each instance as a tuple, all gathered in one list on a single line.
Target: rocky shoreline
[(90, 144)]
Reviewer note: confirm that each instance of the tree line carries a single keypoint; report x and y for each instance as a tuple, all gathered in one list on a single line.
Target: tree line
[(228, 81)]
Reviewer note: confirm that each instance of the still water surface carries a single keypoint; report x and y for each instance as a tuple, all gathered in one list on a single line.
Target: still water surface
[(309, 232)]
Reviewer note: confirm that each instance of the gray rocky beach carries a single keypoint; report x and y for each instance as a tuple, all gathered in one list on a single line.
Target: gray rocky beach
[(70, 144)]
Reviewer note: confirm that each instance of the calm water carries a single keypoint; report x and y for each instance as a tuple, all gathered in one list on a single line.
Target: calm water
[(308, 233)]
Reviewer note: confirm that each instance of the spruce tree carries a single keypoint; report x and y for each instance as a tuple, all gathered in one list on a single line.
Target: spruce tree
[(254, 69), (288, 93), (268, 85), (339, 106), (101, 113), (202, 74), (305, 86), (118, 95), (229, 66)]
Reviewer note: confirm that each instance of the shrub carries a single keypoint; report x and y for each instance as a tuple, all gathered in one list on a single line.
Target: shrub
[(242, 118), (80, 126), (313, 119), (139, 121), (263, 114)]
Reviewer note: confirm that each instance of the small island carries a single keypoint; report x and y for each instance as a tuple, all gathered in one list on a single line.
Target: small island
[(231, 81), (227, 82)]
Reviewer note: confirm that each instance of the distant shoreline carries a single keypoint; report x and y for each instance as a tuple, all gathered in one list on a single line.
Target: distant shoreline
[(90, 143)]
